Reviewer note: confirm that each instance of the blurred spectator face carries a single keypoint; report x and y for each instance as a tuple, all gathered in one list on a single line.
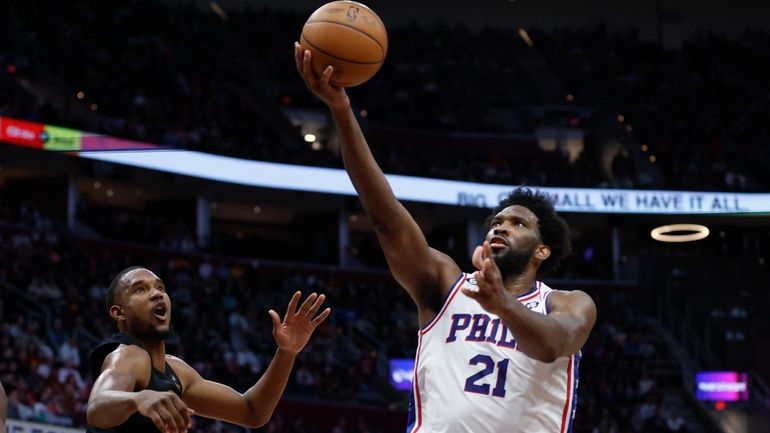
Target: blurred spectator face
[(143, 307)]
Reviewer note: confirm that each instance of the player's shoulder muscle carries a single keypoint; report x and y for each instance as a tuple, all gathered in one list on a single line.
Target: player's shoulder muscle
[(128, 361), (570, 301)]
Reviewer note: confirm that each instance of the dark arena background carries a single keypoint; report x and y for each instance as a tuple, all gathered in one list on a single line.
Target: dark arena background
[(178, 135)]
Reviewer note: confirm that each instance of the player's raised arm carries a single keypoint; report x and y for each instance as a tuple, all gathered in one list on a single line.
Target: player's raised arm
[(113, 399), (424, 272), (255, 407)]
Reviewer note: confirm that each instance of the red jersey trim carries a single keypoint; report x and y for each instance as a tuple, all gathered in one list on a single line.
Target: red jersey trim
[(567, 405)]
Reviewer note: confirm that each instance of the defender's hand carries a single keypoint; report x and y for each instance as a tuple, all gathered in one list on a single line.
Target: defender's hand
[(293, 334), (169, 413), (334, 97)]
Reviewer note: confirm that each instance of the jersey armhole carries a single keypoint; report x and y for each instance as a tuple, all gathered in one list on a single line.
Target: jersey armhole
[(174, 377), (183, 365), (447, 300)]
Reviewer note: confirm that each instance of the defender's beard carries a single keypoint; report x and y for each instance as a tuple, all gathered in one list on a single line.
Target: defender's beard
[(148, 330), (512, 262), (155, 334)]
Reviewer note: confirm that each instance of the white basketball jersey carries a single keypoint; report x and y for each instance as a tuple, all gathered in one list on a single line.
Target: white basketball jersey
[(471, 378)]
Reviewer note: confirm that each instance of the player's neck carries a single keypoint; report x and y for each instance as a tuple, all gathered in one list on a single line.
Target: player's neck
[(157, 350), (520, 284)]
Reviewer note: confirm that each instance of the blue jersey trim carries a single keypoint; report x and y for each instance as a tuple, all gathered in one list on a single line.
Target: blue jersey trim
[(412, 414), (575, 381)]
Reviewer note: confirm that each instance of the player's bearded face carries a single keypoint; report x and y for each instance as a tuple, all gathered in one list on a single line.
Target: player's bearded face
[(146, 329), (147, 306), (512, 262), (159, 331)]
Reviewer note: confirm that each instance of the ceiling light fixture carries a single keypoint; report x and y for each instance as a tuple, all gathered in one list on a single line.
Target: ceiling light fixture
[(663, 233)]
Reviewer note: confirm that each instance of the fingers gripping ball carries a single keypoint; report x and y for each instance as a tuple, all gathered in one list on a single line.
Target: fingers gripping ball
[(350, 37)]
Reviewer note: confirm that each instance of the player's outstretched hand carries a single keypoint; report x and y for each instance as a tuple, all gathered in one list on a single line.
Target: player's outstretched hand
[(294, 332), (491, 295), (165, 409), (334, 97)]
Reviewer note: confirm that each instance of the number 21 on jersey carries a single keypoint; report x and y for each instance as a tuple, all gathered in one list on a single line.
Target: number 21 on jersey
[(476, 382)]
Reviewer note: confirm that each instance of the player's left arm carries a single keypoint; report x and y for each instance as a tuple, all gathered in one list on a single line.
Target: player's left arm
[(255, 407), (575, 314), (561, 332)]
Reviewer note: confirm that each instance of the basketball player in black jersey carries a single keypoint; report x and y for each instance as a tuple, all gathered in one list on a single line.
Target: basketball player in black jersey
[(142, 389)]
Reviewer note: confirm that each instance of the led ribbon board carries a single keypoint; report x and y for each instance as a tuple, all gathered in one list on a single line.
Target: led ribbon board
[(335, 181)]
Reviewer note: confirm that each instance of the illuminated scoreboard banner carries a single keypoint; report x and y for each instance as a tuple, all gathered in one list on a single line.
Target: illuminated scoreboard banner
[(673, 202), (55, 138), (335, 181)]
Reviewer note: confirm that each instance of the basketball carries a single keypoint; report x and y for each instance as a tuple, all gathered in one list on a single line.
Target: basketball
[(350, 37)]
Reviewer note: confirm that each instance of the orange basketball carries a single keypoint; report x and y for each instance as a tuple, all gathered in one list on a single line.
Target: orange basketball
[(350, 37)]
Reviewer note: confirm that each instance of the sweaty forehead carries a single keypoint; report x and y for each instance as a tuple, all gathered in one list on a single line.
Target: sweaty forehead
[(139, 275), (518, 211)]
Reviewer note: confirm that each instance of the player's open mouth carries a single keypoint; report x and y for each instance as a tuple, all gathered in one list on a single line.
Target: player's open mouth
[(161, 311), (498, 244)]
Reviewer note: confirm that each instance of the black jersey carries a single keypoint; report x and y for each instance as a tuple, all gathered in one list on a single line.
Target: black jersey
[(158, 382)]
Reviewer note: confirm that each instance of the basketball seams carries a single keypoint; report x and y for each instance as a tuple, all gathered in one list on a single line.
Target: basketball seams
[(302, 37), (382, 49), (362, 6)]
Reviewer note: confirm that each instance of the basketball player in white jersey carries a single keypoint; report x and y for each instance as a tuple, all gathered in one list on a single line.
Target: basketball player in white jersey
[(498, 351)]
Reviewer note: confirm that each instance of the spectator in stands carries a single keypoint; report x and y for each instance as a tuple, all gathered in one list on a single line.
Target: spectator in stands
[(618, 349), (69, 353), (700, 112)]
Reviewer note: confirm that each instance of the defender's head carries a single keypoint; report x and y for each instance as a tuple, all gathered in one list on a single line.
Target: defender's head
[(138, 302)]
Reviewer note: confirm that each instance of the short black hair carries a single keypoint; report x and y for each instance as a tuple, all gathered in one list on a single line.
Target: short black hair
[(554, 231), (110, 300)]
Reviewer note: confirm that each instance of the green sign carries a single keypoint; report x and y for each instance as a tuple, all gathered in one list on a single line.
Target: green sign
[(64, 139)]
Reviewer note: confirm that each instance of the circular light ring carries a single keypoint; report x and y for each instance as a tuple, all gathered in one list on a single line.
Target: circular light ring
[(662, 233)]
